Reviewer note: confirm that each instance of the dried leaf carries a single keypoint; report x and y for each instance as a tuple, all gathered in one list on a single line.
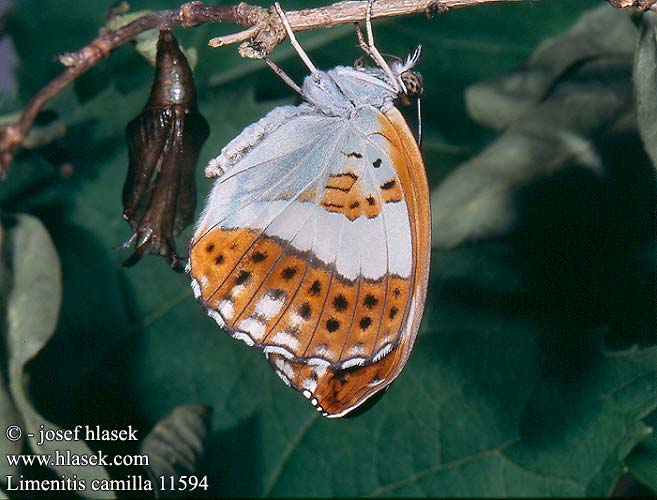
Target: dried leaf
[(176, 443)]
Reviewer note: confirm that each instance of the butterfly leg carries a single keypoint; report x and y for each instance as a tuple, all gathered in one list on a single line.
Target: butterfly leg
[(362, 43), (368, 51), (373, 52), (283, 75), (293, 40)]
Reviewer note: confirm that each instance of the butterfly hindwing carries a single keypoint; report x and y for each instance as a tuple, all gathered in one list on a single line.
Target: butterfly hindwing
[(311, 251), (336, 391)]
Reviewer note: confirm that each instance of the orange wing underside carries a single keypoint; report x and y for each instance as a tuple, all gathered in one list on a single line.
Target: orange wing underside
[(338, 342), (288, 303), (336, 392)]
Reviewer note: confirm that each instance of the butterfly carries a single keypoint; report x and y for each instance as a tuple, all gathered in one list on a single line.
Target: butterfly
[(314, 244)]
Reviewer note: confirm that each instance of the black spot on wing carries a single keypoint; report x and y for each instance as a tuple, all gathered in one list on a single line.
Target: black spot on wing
[(288, 273), (277, 294), (242, 278), (332, 325), (344, 174), (340, 303), (304, 310), (315, 288), (370, 301), (258, 257)]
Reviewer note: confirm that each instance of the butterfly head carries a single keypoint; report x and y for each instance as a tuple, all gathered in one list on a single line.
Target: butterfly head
[(408, 81)]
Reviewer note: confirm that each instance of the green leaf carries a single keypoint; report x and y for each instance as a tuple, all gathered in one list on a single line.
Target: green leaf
[(33, 295), (38, 135), (645, 82), (603, 32), (30, 24), (8, 412), (486, 406), (146, 42), (558, 111), (643, 459)]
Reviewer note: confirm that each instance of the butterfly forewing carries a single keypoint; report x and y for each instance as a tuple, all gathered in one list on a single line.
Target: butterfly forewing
[(313, 252)]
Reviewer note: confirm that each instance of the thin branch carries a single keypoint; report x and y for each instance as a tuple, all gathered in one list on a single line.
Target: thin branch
[(269, 31), (263, 32)]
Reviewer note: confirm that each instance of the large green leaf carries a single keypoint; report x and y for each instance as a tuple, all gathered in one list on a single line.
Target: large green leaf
[(641, 462), (9, 414), (32, 291), (510, 389), (645, 81), (601, 33), (553, 116)]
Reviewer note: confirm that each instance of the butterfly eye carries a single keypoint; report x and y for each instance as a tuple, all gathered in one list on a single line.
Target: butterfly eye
[(414, 87)]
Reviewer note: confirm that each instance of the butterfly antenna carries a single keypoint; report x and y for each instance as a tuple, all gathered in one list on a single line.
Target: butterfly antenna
[(293, 40), (374, 53), (412, 59)]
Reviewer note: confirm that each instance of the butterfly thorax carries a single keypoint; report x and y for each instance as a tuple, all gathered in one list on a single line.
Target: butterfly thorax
[(343, 90)]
